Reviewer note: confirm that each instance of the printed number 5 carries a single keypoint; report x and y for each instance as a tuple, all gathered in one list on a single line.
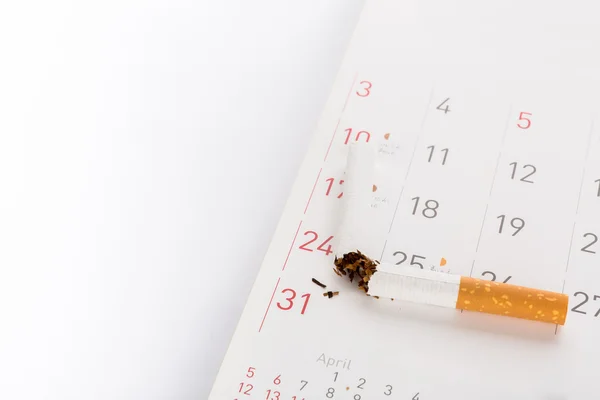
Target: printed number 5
[(526, 122), (366, 89)]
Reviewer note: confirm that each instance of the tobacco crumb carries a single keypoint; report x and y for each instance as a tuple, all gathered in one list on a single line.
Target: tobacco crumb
[(356, 265), (377, 297), (316, 282), (330, 294)]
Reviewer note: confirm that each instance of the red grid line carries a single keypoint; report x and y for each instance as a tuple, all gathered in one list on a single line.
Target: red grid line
[(269, 306), (313, 190), (292, 246)]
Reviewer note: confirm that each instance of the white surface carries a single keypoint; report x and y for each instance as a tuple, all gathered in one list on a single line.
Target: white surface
[(146, 152), (356, 202), (491, 64), (415, 285)]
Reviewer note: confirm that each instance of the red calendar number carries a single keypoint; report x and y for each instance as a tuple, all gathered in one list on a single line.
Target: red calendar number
[(321, 247), (288, 306), (250, 372), (365, 90), (296, 398), (329, 187), (277, 380), (245, 388), (274, 395), (358, 135), (524, 122)]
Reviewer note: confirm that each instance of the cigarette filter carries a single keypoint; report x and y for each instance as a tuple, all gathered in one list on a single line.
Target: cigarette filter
[(453, 291)]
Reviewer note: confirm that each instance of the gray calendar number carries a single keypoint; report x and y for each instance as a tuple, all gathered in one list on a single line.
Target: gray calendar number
[(404, 257), (525, 172), (516, 223), (388, 391), (429, 210), (598, 182), (362, 383), (330, 393), (304, 383), (357, 397), (493, 275), (445, 103), (416, 396), (586, 298), (591, 245), (432, 152)]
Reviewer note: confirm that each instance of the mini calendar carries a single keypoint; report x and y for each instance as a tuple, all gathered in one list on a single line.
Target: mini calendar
[(485, 118)]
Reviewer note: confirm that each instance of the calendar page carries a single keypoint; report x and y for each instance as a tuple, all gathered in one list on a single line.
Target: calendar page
[(486, 122)]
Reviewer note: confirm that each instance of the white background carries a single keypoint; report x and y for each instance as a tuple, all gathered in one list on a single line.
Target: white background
[(147, 149)]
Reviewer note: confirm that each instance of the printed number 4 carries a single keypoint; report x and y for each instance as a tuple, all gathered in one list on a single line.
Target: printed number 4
[(446, 109), (321, 247)]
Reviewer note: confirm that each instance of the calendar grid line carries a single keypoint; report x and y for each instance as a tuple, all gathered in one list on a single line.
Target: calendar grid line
[(313, 190), (500, 152), (569, 252), (340, 118), (417, 141), (505, 133), (482, 225), (349, 92), (291, 246), (584, 170), (269, 305), (332, 138), (585, 162), (383, 251)]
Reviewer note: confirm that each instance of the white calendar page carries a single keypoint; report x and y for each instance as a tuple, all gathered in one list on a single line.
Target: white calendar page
[(486, 119)]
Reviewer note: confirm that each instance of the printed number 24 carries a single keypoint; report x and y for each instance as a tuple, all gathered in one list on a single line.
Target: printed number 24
[(321, 247)]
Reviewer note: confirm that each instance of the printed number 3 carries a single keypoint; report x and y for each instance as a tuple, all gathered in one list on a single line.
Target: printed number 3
[(366, 89)]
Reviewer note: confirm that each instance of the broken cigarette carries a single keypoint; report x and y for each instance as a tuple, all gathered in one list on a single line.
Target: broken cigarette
[(422, 286), (452, 291)]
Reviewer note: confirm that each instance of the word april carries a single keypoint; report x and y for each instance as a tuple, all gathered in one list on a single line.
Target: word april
[(332, 362)]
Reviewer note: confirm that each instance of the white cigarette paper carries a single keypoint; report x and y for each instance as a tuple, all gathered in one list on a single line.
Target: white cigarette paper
[(415, 285), (358, 194)]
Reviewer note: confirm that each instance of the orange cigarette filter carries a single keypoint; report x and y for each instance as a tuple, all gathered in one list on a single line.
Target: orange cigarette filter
[(512, 300)]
